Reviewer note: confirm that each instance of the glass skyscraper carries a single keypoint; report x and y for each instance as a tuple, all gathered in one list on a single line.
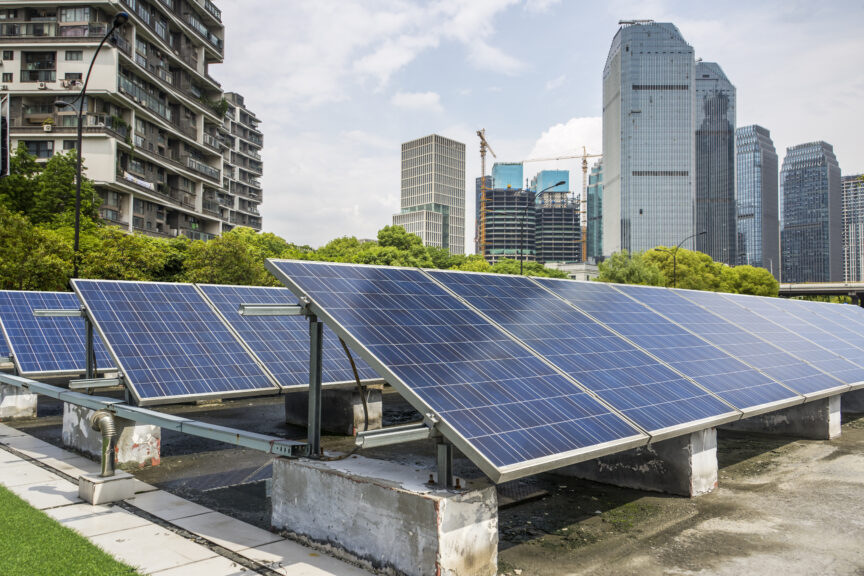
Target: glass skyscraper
[(811, 215), (715, 163), (594, 241), (648, 138), (853, 228), (433, 192), (757, 219)]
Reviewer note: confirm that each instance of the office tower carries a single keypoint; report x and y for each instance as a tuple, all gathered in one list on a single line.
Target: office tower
[(715, 163), (648, 134), (811, 225), (557, 226), (433, 192), (594, 209), (853, 228), (756, 199), (154, 118)]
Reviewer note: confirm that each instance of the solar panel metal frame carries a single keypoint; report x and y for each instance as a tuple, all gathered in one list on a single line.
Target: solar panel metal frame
[(657, 435), (165, 400), (288, 388), (747, 412), (49, 373), (495, 473), (808, 396)]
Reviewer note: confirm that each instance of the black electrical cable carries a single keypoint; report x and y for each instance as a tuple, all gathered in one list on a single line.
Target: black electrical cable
[(361, 390)]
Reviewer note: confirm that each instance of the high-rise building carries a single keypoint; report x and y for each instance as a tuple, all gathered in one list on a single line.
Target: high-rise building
[(811, 215), (241, 155), (715, 163), (853, 228), (648, 134), (557, 225), (594, 209), (510, 224), (508, 175), (153, 115), (433, 192), (758, 224)]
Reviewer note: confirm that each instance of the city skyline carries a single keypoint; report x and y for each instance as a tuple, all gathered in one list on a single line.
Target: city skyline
[(354, 81)]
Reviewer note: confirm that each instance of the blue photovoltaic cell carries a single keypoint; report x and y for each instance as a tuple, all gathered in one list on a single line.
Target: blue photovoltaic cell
[(717, 371), (841, 320), (646, 391), (832, 369), (168, 341), (281, 343), (47, 345), (740, 385), (505, 402)]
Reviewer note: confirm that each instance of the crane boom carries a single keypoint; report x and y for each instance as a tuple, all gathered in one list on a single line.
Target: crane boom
[(484, 145)]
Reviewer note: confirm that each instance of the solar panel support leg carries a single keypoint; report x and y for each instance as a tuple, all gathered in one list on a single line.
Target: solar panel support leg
[(445, 465), (316, 341), (91, 360)]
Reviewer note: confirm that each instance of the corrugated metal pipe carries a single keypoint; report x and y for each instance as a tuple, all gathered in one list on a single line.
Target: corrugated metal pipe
[(103, 421)]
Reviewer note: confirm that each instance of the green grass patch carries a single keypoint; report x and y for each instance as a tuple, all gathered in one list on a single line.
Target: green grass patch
[(33, 543)]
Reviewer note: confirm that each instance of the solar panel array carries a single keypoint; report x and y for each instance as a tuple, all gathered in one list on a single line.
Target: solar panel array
[(482, 352), (281, 343), (46, 346)]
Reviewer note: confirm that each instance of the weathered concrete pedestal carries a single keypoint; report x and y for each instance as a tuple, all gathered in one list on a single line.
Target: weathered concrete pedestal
[(383, 515), (16, 403), (341, 410), (817, 420), (686, 466), (137, 445), (852, 402), (96, 490)]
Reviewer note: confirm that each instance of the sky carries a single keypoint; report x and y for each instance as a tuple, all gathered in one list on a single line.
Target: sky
[(340, 85)]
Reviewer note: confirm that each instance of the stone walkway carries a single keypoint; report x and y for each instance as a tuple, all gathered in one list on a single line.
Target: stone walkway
[(155, 531)]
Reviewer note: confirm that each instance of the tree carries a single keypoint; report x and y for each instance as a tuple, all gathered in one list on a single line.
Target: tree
[(473, 263), (54, 199), (749, 280), (343, 249), (32, 258), (18, 189), (687, 269), (529, 269), (625, 268), (108, 253), (233, 258)]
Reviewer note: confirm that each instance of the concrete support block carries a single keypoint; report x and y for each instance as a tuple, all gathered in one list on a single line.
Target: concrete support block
[(384, 516), (852, 402), (137, 444), (686, 466), (96, 490), (16, 403), (341, 410), (817, 420)]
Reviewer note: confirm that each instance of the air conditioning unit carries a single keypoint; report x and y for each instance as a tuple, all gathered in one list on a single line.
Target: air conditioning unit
[(42, 86)]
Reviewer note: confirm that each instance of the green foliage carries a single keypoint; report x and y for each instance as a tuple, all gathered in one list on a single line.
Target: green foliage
[(749, 280), (625, 268), (108, 253), (473, 263), (32, 258), (528, 269), (55, 192), (236, 258), (33, 543), (18, 189), (687, 269)]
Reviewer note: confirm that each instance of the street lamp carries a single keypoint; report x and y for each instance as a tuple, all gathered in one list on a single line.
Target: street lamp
[(675, 256), (522, 227), (119, 20)]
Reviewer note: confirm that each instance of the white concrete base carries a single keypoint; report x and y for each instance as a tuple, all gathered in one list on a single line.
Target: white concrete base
[(341, 410), (383, 515), (96, 490), (137, 445), (686, 466), (817, 420), (16, 403), (852, 402)]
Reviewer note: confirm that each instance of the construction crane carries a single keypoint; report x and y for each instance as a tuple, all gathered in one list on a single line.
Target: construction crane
[(484, 145), (583, 209)]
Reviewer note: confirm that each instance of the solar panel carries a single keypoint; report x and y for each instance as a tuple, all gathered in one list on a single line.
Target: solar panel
[(715, 370), (281, 343), (733, 374), (648, 392), (841, 320), (833, 370), (501, 405), (169, 343), (47, 346)]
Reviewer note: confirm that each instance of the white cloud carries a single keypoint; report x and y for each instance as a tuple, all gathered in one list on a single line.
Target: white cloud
[(569, 138), (417, 101), (540, 6)]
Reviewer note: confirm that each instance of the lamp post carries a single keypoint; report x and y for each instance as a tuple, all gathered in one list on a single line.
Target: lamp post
[(675, 256), (522, 227), (119, 20)]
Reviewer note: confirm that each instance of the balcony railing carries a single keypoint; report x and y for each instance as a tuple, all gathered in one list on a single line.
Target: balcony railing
[(212, 142), (202, 168)]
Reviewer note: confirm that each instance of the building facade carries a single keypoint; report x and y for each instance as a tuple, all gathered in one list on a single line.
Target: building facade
[(594, 209), (433, 192), (715, 163), (648, 138), (557, 223), (510, 224), (154, 129), (241, 140), (757, 220), (853, 228), (811, 215)]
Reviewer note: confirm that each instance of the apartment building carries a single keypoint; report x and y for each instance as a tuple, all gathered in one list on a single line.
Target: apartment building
[(169, 153)]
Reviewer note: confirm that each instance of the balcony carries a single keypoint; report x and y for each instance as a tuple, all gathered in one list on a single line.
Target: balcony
[(202, 30), (212, 142), (201, 168)]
